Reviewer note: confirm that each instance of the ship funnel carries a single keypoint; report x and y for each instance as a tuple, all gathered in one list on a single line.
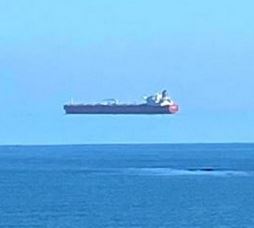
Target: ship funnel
[(164, 93)]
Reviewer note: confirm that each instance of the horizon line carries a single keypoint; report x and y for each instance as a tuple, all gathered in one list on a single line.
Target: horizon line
[(123, 144)]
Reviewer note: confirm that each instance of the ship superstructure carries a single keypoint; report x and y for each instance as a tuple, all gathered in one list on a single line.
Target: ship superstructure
[(159, 103)]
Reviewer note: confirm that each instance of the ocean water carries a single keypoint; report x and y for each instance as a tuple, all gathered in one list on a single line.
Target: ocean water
[(116, 186)]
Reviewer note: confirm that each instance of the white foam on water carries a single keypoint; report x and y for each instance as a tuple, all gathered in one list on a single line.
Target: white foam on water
[(183, 172)]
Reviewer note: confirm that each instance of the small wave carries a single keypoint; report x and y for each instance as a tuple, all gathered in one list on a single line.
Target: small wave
[(166, 172), (185, 172)]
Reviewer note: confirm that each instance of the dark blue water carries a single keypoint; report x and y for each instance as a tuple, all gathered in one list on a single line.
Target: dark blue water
[(114, 186)]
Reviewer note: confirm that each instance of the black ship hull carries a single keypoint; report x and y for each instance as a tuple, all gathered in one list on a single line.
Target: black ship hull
[(120, 109)]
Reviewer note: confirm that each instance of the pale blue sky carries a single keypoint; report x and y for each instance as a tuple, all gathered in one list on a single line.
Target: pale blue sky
[(201, 51)]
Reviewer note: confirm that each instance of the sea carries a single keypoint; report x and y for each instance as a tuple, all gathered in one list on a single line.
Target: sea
[(127, 186)]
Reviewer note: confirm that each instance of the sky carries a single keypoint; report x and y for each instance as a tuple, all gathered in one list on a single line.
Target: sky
[(202, 52)]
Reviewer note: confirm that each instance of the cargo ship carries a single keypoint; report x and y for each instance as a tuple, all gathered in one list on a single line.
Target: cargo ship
[(159, 103)]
